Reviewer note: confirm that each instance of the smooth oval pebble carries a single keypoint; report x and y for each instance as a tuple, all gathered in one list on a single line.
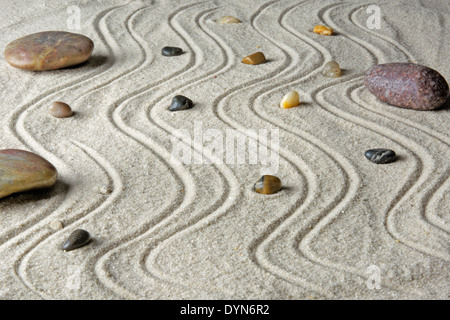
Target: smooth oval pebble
[(407, 85), (76, 239), (381, 156), (60, 110), (171, 51), (229, 19), (180, 103), (290, 100), (267, 184), (21, 170), (254, 58), (331, 69), (48, 50)]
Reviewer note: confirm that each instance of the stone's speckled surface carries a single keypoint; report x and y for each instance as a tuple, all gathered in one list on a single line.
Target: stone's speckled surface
[(407, 85), (60, 110), (48, 50), (76, 239), (21, 170), (180, 103), (171, 51), (254, 58), (267, 184), (381, 156)]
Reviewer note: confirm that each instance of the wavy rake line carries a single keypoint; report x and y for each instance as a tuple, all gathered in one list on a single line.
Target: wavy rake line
[(401, 48), (436, 222), (345, 115), (349, 191), (323, 87), (353, 174), (438, 194), (210, 218), (145, 60), (225, 52), (425, 130), (259, 245), (141, 138), (19, 113), (180, 174), (304, 243), (355, 97), (20, 265), (216, 103), (421, 177)]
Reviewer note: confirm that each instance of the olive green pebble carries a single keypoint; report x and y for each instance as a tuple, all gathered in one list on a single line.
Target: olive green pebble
[(267, 184)]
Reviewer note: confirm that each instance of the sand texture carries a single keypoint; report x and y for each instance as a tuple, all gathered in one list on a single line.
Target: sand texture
[(340, 226)]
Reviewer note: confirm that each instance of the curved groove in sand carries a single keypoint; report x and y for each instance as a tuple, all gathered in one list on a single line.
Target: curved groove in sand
[(355, 97), (261, 244), (204, 222), (170, 213), (17, 131), (20, 129), (424, 170), (16, 122), (117, 188), (401, 48)]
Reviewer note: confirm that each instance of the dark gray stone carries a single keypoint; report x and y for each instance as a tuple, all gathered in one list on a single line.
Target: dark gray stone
[(171, 51), (181, 103), (380, 156), (76, 239)]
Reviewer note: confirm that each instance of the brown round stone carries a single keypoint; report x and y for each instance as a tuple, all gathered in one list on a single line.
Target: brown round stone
[(22, 170), (60, 110), (48, 50)]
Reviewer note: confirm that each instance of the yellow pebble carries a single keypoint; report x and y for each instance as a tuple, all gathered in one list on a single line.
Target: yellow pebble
[(323, 30), (290, 100), (229, 19)]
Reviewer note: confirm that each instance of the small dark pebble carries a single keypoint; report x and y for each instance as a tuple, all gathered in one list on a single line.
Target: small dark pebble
[(180, 103), (171, 51), (380, 156), (76, 239)]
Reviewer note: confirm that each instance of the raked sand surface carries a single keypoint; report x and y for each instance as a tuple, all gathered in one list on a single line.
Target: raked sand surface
[(340, 226)]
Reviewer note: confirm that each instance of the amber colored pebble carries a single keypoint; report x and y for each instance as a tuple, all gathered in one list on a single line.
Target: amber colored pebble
[(255, 58), (323, 30), (267, 184)]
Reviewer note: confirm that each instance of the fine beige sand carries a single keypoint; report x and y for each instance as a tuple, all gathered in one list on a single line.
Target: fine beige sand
[(341, 227)]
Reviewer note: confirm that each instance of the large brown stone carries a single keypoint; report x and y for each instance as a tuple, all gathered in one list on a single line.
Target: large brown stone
[(21, 170), (48, 50)]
